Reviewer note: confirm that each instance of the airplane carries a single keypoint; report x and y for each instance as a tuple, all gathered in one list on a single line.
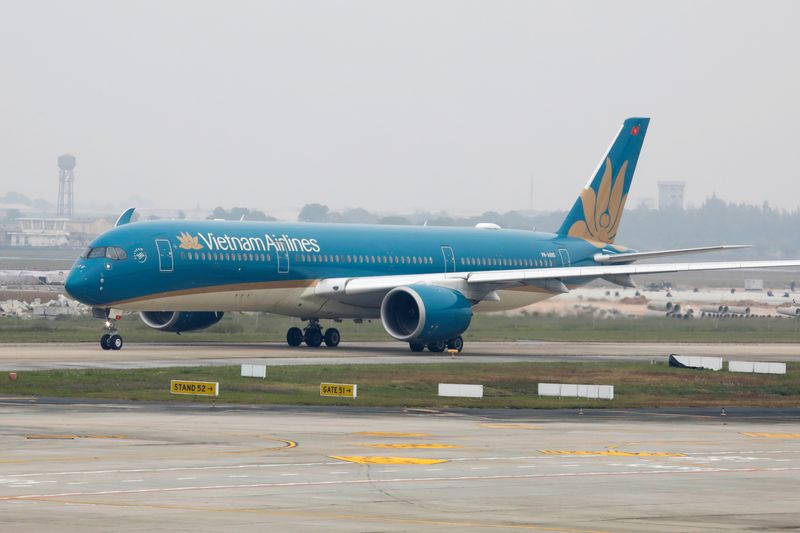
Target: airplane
[(424, 283)]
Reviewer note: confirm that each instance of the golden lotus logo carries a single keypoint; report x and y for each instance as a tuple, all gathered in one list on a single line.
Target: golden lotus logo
[(188, 242), (602, 210)]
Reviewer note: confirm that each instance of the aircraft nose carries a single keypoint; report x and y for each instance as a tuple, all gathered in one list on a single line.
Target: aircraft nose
[(77, 286)]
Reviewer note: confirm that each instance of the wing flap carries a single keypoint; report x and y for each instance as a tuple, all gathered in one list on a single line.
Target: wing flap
[(635, 256)]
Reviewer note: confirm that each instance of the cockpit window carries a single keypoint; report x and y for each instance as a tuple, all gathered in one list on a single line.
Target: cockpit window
[(108, 252), (97, 252)]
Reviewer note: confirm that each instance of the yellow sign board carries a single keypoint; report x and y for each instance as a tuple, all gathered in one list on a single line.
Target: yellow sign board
[(342, 390), (194, 388)]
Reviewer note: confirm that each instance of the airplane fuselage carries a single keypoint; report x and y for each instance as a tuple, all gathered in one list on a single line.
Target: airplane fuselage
[(274, 267)]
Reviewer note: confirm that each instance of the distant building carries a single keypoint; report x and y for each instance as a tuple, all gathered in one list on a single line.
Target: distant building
[(670, 195), (81, 232), (754, 284), (40, 232)]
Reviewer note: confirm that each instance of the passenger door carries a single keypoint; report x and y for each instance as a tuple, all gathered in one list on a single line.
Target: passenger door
[(283, 261), (449, 259), (166, 262), (564, 255)]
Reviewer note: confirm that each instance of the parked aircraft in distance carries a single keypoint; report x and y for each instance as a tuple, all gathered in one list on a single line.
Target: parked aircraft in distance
[(422, 282)]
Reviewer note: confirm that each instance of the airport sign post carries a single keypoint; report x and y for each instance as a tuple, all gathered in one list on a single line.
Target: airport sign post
[(194, 388), (340, 390)]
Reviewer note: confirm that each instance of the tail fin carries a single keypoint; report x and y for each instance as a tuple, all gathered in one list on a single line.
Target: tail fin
[(598, 210)]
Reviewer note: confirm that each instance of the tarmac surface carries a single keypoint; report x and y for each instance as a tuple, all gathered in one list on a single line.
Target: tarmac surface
[(39, 356), (100, 466)]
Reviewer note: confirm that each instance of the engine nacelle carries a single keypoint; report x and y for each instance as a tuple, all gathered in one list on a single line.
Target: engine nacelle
[(425, 313), (179, 321)]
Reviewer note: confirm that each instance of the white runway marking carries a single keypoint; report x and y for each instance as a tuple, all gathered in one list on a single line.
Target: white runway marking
[(174, 469)]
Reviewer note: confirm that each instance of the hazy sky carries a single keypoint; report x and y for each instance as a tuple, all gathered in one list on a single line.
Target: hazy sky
[(399, 105)]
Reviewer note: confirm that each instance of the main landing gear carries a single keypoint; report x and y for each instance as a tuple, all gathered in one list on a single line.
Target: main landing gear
[(438, 346), (312, 335), (111, 339)]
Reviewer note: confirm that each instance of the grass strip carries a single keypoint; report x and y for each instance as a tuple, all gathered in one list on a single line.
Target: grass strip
[(506, 385)]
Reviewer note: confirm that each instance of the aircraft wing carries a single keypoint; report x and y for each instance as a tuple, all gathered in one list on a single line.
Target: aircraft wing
[(478, 285)]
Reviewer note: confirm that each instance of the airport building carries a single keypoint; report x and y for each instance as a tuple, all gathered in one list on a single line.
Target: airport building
[(670, 195), (40, 231)]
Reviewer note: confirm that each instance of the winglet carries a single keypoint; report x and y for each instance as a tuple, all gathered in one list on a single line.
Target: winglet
[(125, 217)]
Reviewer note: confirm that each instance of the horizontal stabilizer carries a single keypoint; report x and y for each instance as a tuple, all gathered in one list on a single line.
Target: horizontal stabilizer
[(635, 256)]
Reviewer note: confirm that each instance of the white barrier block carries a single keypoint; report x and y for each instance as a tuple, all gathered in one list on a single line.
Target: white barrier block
[(569, 391), (254, 371), (566, 390), (761, 368), (740, 366), (549, 389), (458, 390), (693, 361), (777, 368), (606, 392)]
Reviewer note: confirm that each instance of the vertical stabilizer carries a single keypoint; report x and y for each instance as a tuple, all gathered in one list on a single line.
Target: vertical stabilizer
[(598, 210)]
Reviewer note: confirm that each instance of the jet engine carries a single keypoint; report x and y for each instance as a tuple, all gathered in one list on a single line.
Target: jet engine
[(179, 321), (425, 313)]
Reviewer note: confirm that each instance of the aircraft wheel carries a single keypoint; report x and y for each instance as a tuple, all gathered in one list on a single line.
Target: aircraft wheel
[(437, 347), (104, 341), (313, 337), (416, 346), (294, 337), (456, 344), (332, 337), (115, 342)]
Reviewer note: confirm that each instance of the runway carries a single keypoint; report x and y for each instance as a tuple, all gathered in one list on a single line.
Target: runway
[(124, 466), (39, 356)]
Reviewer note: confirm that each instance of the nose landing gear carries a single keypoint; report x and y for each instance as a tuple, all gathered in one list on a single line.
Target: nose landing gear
[(312, 335), (111, 339)]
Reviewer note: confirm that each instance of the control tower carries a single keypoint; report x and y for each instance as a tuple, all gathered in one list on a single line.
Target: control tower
[(66, 178)]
